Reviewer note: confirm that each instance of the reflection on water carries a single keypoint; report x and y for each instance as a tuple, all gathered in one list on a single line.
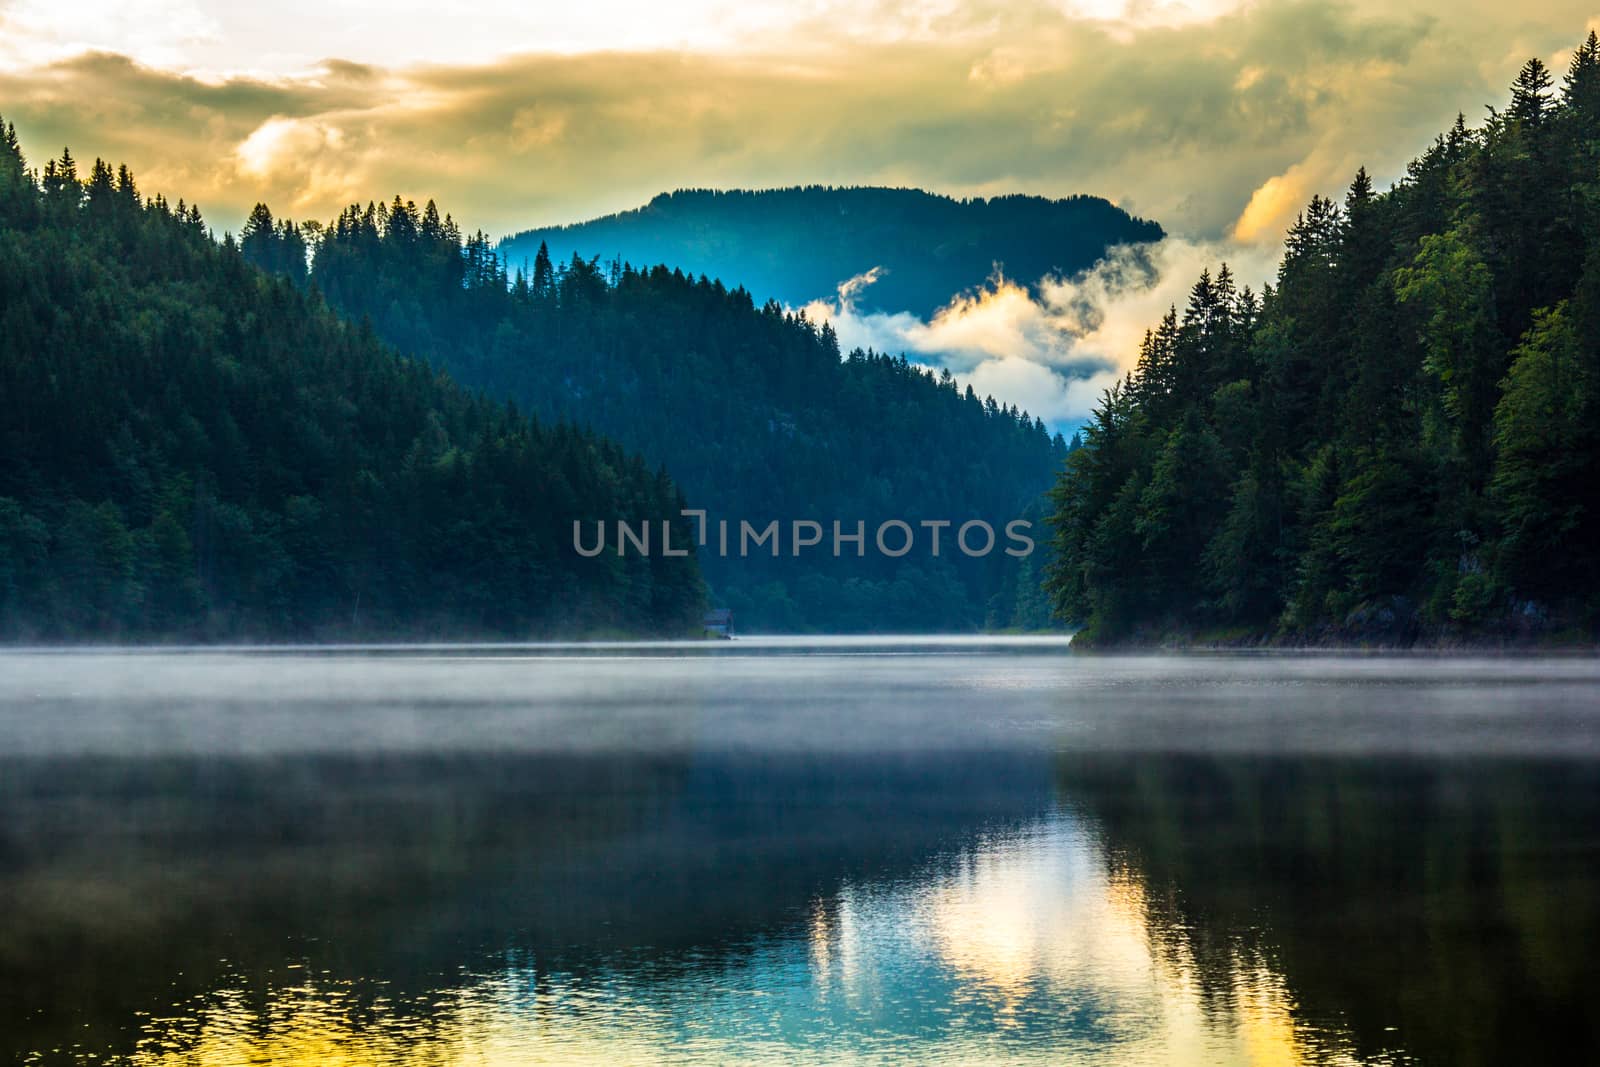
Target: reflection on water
[(1058, 860), (1021, 948)]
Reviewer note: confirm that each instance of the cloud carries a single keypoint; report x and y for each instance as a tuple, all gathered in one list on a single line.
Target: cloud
[(1273, 203), (1053, 347), (1218, 118), (281, 142), (1001, 319), (158, 32), (1213, 119)]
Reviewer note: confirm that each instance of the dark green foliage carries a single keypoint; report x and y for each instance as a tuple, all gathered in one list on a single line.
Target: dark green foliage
[(278, 248), (799, 244), (1546, 442), (1401, 438), (196, 449), (750, 407)]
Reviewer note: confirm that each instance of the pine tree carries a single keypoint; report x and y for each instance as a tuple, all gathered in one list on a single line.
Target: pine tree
[(543, 273), (258, 240), (1530, 99), (1581, 86), (15, 182), (60, 182)]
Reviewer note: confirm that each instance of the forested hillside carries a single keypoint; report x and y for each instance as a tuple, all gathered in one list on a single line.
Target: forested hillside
[(799, 244), (193, 448), (1396, 441), (749, 407)]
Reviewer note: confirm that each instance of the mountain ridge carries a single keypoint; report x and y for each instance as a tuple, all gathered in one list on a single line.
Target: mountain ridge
[(196, 449), (799, 243), (752, 408)]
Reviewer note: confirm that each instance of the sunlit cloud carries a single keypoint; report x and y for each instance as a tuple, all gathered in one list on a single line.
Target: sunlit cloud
[(1052, 347), (154, 32), (281, 142), (1142, 14), (1180, 112), (1216, 118), (1270, 206)]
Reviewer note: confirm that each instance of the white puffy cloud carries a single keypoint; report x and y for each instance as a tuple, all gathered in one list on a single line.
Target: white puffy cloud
[(1050, 348)]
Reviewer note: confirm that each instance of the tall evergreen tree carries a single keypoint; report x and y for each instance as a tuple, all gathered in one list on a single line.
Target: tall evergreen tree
[(1404, 442), (1530, 94)]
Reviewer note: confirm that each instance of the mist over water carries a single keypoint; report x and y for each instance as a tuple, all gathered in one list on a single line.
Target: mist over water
[(851, 850), (782, 694)]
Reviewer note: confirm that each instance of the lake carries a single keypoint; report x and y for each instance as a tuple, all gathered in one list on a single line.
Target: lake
[(771, 851)]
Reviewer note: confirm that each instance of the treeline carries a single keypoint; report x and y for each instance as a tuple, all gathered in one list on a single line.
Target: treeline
[(749, 406), (196, 449), (1397, 440), (798, 244)]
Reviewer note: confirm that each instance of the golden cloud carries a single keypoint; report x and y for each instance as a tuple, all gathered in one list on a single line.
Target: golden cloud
[(1211, 127)]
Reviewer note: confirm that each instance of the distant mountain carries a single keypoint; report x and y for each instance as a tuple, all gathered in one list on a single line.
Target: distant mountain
[(193, 448), (754, 412), (799, 244)]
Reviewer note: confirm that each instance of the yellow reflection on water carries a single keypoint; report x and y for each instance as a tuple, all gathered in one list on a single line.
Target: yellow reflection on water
[(1264, 1018), (1038, 920), (322, 1025), (988, 957)]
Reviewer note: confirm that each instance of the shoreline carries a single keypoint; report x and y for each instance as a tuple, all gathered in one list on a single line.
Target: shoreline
[(1333, 641)]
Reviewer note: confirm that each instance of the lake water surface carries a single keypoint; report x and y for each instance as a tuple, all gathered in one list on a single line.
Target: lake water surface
[(842, 851)]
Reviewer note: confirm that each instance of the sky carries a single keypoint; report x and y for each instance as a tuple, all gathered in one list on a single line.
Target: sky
[(1217, 118)]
